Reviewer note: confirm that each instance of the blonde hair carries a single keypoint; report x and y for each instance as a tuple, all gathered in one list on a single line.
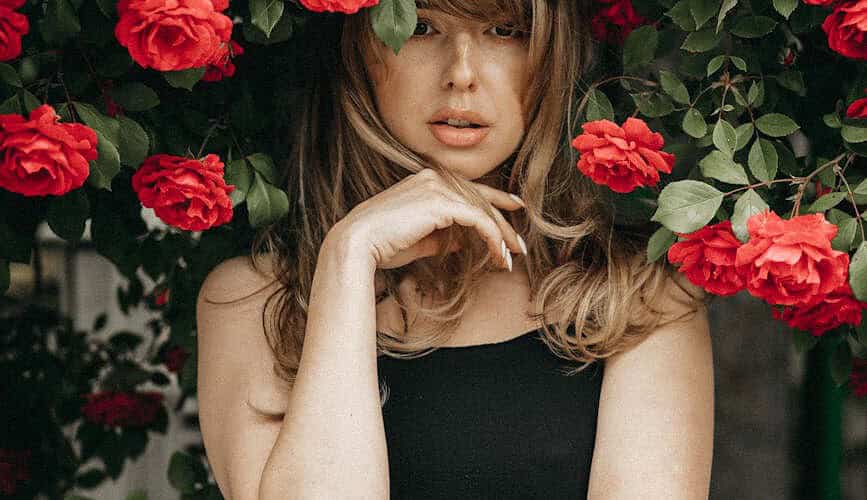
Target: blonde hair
[(580, 261)]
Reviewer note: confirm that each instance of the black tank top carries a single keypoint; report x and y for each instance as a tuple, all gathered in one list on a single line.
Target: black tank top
[(491, 421)]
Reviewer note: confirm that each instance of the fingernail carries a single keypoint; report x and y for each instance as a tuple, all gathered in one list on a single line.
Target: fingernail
[(523, 245), (509, 260), (505, 250), (518, 200)]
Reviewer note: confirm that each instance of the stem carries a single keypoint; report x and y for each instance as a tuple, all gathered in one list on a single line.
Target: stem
[(851, 197), (208, 135), (805, 180)]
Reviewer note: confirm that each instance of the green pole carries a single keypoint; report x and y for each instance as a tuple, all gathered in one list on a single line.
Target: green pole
[(820, 436)]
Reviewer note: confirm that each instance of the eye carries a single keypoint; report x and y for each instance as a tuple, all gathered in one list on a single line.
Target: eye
[(421, 23), (508, 30)]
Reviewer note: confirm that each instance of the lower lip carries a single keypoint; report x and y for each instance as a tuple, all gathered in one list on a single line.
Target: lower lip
[(458, 137)]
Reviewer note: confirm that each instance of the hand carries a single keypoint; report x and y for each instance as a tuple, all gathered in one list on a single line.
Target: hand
[(408, 220)]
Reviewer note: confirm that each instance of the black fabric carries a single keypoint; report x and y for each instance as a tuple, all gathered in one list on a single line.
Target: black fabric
[(489, 421)]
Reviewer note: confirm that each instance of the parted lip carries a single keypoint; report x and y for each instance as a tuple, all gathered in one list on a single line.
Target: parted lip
[(459, 114)]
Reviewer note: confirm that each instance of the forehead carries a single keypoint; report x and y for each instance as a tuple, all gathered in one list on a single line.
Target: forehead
[(482, 10)]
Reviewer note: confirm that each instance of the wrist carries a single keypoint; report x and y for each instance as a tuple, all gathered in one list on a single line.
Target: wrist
[(345, 250)]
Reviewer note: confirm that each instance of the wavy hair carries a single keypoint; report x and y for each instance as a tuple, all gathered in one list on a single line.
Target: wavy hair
[(584, 268)]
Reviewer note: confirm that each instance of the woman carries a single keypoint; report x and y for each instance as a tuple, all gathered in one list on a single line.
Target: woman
[(408, 353)]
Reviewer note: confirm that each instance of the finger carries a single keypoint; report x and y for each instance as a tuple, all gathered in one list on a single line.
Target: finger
[(451, 212), (499, 198), (505, 200)]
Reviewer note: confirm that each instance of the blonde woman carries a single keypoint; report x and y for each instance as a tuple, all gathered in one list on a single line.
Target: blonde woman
[(434, 318)]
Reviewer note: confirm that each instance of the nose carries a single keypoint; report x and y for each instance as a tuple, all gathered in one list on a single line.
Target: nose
[(461, 73)]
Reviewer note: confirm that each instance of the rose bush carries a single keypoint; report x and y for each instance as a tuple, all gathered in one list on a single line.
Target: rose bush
[(734, 131)]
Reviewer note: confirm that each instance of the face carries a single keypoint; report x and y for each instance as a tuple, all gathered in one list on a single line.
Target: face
[(452, 65)]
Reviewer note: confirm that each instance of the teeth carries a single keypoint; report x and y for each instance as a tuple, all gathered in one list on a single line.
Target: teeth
[(458, 123)]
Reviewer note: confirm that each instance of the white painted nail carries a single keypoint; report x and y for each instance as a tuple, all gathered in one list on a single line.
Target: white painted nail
[(505, 250), (518, 200), (509, 261), (523, 245)]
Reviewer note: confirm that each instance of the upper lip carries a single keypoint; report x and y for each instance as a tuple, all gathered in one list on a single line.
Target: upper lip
[(460, 114)]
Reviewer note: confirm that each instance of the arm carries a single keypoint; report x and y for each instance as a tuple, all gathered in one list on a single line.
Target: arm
[(655, 425), (332, 441)]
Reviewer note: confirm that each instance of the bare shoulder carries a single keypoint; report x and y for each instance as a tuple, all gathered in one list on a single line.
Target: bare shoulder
[(655, 423), (241, 399)]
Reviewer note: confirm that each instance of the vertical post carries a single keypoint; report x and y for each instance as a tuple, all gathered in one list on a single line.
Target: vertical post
[(820, 431)]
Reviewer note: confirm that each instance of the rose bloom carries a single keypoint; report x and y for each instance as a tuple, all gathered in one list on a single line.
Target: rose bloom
[(123, 409), (40, 156), (858, 108), (846, 28), (13, 26), (172, 35), (222, 66), (175, 358), (823, 3), (187, 193), (707, 258), (622, 158), (344, 6), (838, 308), (14, 467), (858, 377), (614, 21), (791, 262)]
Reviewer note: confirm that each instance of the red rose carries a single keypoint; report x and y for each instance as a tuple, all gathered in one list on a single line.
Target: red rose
[(14, 467), (40, 156), (791, 262), (858, 377), (622, 158), (823, 3), (186, 193), (858, 108), (707, 258), (344, 6), (13, 26), (846, 28), (821, 189), (123, 409), (614, 21), (161, 297), (172, 35), (222, 66), (175, 359), (838, 308)]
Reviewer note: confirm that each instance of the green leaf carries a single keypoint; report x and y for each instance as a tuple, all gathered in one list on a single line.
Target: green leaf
[(10, 76), (135, 96), (694, 124), (720, 166), (106, 125), (239, 174), (184, 471), (106, 165), (846, 231), (703, 10), (825, 202), (701, 41), (185, 78), (59, 24), (785, 7), (832, 120), (738, 62), (263, 164), (265, 203), (394, 21), (687, 206), (763, 160), (659, 243), (753, 26), (756, 94), (858, 272), (803, 341), (794, 81), (599, 106), (776, 125), (744, 132), (861, 188), (750, 203), (67, 214), (854, 134), (672, 86), (653, 105), (725, 138), (727, 5), (133, 142), (264, 14), (715, 64), (681, 14), (640, 46)]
